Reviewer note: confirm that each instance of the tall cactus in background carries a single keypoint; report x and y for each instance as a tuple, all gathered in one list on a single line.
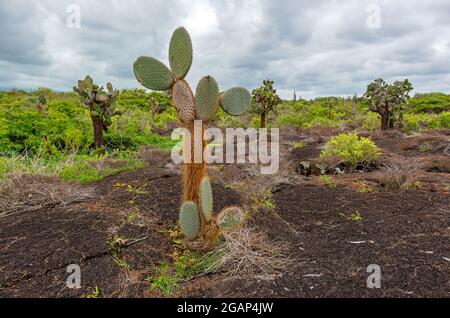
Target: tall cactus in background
[(196, 217), (40, 103), (154, 105), (265, 100), (101, 105)]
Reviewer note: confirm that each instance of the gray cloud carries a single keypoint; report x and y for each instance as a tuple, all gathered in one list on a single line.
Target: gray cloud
[(317, 48)]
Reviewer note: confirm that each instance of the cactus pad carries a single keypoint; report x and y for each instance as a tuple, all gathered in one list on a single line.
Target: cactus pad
[(236, 101), (153, 74), (207, 99), (206, 198), (189, 220), (184, 101), (180, 53), (230, 219)]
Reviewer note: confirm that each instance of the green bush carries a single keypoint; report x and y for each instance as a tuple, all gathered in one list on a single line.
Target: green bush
[(371, 121), (418, 122), (351, 150), (429, 103)]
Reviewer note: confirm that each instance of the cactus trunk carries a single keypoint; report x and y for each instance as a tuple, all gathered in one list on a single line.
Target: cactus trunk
[(263, 120), (193, 174), (98, 133)]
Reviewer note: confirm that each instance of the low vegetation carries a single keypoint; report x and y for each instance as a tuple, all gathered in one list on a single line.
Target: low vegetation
[(351, 150)]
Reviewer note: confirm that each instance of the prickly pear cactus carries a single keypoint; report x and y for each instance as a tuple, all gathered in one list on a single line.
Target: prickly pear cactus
[(190, 220), (203, 106), (101, 105), (230, 219), (206, 199)]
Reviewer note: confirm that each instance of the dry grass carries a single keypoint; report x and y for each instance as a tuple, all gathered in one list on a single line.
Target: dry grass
[(400, 173), (21, 193), (102, 165), (154, 157), (248, 252)]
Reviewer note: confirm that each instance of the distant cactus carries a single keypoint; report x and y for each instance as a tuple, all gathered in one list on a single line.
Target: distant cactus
[(40, 103), (265, 99), (101, 105), (389, 101), (154, 106), (203, 106)]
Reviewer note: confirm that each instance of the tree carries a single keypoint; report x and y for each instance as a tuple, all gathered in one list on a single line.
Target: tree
[(101, 105), (265, 99), (154, 106), (388, 100), (40, 103)]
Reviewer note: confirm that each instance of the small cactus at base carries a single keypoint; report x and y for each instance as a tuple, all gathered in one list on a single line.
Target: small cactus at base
[(196, 216), (206, 199), (189, 220), (230, 219)]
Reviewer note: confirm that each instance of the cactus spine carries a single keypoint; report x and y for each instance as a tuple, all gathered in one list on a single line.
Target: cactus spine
[(154, 75)]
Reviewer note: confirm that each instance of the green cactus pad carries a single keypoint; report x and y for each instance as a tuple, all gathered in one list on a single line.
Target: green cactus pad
[(206, 199), (101, 98), (153, 74), (189, 220), (230, 219), (42, 100), (207, 99), (184, 101), (236, 101), (180, 53)]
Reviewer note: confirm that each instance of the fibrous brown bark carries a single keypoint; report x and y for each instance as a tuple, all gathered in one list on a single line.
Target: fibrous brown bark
[(98, 133), (263, 120)]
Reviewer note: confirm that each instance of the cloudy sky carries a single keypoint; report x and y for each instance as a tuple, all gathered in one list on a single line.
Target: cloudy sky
[(318, 48)]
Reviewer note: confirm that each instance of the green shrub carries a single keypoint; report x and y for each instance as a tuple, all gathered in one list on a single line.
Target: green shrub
[(371, 121), (444, 120), (430, 103), (351, 150)]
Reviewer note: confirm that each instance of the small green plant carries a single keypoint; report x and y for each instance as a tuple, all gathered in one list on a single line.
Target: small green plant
[(425, 147), (416, 185), (351, 150), (328, 181), (133, 216), (297, 145), (185, 266), (355, 216), (264, 199), (116, 243), (137, 190), (265, 99), (363, 187), (93, 295), (164, 281)]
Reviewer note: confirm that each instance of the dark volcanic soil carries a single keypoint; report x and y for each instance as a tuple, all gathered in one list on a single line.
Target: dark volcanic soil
[(406, 233)]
